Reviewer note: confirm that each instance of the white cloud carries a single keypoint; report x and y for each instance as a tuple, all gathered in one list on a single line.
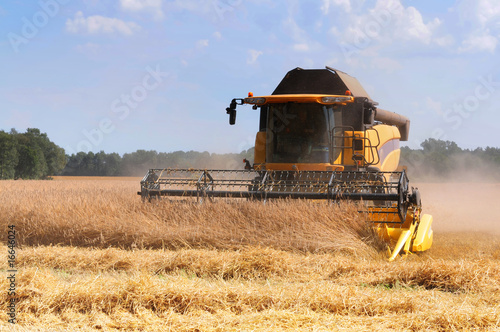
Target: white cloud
[(387, 23), (482, 12), (217, 35), (334, 31), (100, 24), (481, 18), (153, 6), (293, 30), (479, 42), (444, 41), (413, 27), (214, 10), (301, 47), (397, 22), (253, 55), (488, 11), (202, 43), (345, 4)]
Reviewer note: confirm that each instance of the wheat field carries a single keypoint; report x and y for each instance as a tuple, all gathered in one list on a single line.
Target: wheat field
[(92, 257)]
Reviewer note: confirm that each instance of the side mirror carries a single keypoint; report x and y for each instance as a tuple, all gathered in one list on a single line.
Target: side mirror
[(369, 108), (231, 110), (369, 116), (232, 116)]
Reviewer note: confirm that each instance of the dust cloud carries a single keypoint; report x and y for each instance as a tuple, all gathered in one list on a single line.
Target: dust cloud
[(462, 192), (459, 207)]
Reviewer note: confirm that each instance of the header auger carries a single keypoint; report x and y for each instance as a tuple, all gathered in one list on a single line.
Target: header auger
[(320, 137)]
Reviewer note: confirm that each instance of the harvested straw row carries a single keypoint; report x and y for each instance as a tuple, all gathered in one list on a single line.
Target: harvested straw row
[(457, 276), (45, 293)]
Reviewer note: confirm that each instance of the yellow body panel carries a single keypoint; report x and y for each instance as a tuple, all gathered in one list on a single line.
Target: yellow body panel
[(345, 158), (391, 162), (260, 148), (403, 239), (387, 139), (379, 146), (423, 239), (379, 215), (414, 235)]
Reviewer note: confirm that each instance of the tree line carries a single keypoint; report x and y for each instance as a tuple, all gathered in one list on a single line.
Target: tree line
[(31, 155), (137, 163)]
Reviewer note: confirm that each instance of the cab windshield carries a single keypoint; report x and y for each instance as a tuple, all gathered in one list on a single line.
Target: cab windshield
[(301, 132)]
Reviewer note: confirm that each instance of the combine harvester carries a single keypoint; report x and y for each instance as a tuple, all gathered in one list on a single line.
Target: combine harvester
[(320, 137)]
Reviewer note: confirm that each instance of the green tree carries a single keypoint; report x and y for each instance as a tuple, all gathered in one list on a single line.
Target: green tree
[(74, 165), (37, 157), (112, 164), (31, 163), (8, 156), (55, 157)]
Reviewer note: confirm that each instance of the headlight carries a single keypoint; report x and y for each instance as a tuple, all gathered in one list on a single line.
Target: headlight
[(331, 100), (255, 100)]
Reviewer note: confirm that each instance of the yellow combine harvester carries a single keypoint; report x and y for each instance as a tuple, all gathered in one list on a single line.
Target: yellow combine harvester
[(320, 137)]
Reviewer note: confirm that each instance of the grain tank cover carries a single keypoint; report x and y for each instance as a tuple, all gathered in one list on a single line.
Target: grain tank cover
[(327, 81)]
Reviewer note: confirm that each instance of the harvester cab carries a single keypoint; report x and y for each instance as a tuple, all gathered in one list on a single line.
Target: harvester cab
[(320, 136)]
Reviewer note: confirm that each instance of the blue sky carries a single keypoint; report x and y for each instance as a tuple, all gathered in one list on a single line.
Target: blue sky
[(122, 75)]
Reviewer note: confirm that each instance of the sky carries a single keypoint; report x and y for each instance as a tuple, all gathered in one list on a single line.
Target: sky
[(123, 75)]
